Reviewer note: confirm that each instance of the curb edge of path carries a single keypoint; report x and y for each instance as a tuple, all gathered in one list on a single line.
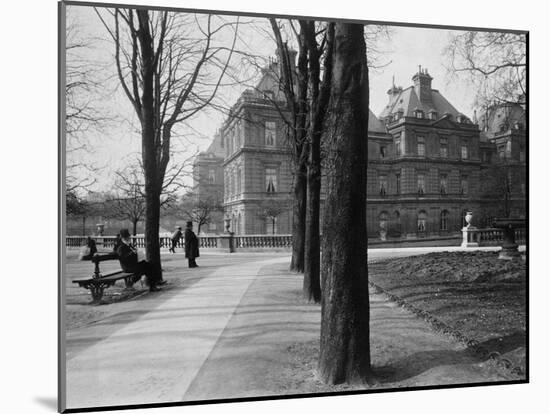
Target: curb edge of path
[(442, 328)]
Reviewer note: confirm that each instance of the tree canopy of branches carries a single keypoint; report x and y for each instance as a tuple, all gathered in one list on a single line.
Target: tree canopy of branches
[(270, 210), (128, 201), (84, 87), (496, 62), (170, 66), (200, 211)]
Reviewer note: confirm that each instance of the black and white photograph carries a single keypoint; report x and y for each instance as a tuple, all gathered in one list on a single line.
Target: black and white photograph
[(264, 206)]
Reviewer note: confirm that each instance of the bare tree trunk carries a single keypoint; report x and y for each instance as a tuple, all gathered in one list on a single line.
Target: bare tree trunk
[(134, 226), (299, 218), (344, 347), (153, 183), (312, 251), (294, 82), (320, 95)]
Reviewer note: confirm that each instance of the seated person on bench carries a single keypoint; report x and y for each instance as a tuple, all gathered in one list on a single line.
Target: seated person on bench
[(127, 255), (88, 251)]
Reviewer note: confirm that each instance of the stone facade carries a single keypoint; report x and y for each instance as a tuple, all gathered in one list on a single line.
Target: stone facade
[(427, 165)]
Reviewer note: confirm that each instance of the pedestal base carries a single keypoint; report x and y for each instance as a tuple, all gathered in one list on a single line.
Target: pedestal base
[(509, 253)]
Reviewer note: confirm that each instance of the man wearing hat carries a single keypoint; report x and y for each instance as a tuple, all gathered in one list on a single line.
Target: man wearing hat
[(175, 239), (191, 245), (128, 258)]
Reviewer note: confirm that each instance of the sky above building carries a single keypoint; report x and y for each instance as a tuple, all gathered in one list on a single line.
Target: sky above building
[(118, 143)]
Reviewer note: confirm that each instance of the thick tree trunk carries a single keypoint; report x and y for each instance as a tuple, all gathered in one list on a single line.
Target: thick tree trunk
[(344, 345), (312, 284), (134, 227), (151, 167), (299, 217)]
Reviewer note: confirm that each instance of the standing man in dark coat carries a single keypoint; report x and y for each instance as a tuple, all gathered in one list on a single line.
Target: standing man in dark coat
[(175, 239), (128, 258), (191, 245)]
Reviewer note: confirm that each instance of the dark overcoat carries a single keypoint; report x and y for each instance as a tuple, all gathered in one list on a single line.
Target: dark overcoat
[(191, 244)]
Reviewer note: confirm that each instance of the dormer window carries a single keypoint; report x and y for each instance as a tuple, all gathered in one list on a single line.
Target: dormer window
[(432, 115), (398, 115), (419, 113), (462, 119)]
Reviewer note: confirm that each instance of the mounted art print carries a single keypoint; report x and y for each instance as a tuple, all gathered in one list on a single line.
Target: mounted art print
[(264, 206)]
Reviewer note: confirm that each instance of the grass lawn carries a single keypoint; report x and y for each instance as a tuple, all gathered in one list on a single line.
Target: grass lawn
[(474, 293)]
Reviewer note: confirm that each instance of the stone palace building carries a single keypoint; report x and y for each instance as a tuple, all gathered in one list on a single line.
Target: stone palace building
[(427, 164)]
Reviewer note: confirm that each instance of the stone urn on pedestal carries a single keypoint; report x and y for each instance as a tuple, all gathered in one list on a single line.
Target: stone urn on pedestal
[(469, 232), (226, 240), (100, 229)]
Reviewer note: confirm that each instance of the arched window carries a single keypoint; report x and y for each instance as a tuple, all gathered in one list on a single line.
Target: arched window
[(421, 222), (444, 221)]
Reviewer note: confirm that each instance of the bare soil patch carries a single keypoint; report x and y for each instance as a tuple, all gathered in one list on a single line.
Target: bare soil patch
[(474, 293)]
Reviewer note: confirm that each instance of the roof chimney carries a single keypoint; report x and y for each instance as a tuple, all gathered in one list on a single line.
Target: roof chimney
[(423, 85)]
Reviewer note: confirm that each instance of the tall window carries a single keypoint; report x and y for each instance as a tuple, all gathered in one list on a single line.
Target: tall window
[(270, 180), (501, 152), (421, 184), (398, 147), (421, 222), (238, 181), (522, 156), (464, 150), (211, 176), (443, 151), (444, 220), (464, 185), (383, 180), (382, 151), (398, 183), (421, 146), (443, 183), (270, 133)]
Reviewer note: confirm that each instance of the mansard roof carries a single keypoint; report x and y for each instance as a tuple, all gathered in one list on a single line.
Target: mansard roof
[(375, 125), (501, 118), (408, 101)]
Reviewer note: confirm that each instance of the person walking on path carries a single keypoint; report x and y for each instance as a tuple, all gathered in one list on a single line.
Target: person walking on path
[(128, 258), (191, 245), (175, 239)]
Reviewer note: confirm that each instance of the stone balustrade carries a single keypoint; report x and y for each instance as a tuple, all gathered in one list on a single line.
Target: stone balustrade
[(490, 236), (205, 242)]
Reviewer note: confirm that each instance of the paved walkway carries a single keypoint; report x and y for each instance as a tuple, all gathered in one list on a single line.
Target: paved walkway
[(238, 331)]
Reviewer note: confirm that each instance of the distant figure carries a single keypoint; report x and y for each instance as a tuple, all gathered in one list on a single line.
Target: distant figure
[(88, 250), (191, 245), (175, 239), (128, 257)]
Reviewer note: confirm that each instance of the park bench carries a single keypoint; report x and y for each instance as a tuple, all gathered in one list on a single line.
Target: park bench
[(99, 282)]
